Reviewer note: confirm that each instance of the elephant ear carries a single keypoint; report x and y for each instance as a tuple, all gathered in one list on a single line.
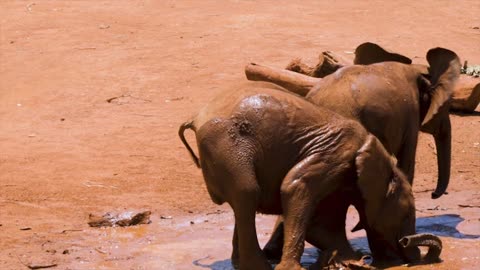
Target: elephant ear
[(374, 171), (371, 53), (444, 71)]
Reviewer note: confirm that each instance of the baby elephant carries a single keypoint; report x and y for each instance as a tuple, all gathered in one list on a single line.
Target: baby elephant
[(264, 150)]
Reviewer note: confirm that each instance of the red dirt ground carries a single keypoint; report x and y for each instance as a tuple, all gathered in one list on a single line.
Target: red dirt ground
[(65, 151)]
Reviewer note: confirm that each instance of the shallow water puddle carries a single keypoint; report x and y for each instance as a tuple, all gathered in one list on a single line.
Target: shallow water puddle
[(204, 242)]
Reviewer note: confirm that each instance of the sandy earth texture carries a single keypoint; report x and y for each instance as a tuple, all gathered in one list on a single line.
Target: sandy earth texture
[(92, 94)]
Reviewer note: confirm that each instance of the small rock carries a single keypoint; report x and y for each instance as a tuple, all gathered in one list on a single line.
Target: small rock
[(66, 251), (192, 222), (99, 250), (104, 26), (173, 99), (29, 6), (25, 229), (165, 217), (62, 119)]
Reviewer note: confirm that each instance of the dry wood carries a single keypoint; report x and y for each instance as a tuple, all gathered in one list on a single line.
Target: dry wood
[(110, 220), (42, 266), (328, 63), (294, 82), (466, 95), (468, 206)]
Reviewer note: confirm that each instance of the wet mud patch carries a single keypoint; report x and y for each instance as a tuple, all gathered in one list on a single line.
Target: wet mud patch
[(443, 225)]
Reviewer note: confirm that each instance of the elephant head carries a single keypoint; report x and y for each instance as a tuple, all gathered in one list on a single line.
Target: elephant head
[(387, 207), (435, 85), (436, 89)]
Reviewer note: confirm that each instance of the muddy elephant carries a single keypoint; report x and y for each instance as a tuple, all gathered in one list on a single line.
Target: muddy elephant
[(262, 149), (385, 96), (392, 100)]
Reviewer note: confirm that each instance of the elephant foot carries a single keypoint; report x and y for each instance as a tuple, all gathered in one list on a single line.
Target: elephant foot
[(256, 262), (273, 253), (274, 248), (436, 195), (235, 262), (290, 265)]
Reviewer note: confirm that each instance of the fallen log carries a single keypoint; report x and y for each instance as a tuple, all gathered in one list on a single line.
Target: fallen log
[(466, 95), (327, 64), (292, 81)]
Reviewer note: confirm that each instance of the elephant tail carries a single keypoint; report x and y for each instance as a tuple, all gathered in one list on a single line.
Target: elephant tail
[(181, 131)]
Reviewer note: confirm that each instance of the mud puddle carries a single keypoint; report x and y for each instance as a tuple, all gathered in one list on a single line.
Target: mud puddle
[(204, 242)]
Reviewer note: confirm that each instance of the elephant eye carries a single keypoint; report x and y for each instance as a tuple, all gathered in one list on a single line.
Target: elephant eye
[(426, 97)]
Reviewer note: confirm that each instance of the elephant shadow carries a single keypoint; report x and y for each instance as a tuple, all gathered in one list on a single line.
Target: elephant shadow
[(441, 225), (218, 265), (309, 257), (465, 114)]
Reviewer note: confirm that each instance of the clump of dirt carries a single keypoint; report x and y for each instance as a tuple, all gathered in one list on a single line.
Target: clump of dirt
[(122, 220)]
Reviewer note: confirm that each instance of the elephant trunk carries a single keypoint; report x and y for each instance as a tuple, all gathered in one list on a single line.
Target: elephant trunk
[(443, 144), (292, 81), (431, 241)]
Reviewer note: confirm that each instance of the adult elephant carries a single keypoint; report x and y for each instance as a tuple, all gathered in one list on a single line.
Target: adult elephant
[(392, 100), (264, 150)]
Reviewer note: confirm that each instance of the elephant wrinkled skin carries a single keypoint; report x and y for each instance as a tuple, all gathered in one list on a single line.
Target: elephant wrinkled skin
[(392, 100), (262, 149)]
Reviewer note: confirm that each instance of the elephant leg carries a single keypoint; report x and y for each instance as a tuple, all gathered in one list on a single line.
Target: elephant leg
[(251, 256), (305, 185), (327, 230), (233, 180), (406, 156), (273, 248), (235, 254), (243, 194)]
